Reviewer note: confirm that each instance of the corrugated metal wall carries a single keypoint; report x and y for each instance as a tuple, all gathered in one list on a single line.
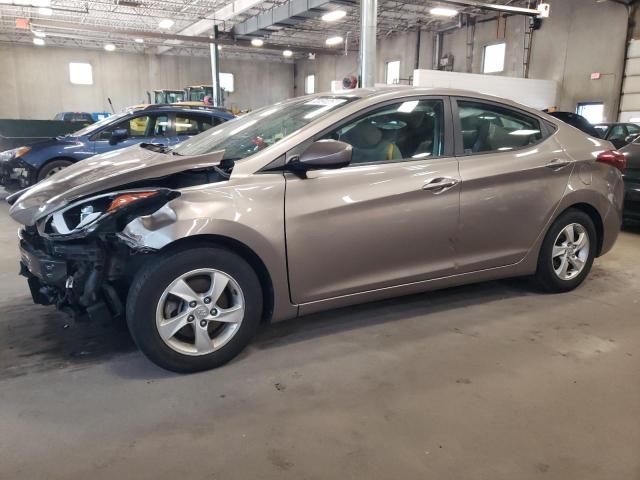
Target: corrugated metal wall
[(630, 100)]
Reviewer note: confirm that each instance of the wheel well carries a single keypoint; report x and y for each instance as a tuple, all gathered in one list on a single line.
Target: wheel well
[(597, 221), (246, 253), (54, 159)]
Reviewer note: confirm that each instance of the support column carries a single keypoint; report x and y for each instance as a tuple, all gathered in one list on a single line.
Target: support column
[(215, 69), (368, 28)]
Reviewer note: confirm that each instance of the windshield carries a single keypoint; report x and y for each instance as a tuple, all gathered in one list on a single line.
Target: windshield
[(258, 130), (95, 126)]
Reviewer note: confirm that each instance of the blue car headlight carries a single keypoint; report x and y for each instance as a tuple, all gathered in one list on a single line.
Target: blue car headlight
[(14, 153)]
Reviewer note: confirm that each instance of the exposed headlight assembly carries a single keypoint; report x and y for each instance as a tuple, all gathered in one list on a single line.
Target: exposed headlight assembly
[(109, 212), (14, 153)]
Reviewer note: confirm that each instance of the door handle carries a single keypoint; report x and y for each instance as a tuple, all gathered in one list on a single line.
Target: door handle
[(439, 185), (558, 164)]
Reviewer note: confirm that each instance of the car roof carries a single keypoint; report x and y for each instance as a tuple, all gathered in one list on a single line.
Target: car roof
[(183, 109)]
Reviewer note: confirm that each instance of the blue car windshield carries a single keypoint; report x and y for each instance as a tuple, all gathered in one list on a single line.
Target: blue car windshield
[(246, 135), (95, 126)]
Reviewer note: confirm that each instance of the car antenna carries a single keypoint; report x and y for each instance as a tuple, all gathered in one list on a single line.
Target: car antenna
[(111, 104)]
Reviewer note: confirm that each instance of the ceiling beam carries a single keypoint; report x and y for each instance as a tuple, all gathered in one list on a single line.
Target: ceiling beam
[(496, 7), (74, 27)]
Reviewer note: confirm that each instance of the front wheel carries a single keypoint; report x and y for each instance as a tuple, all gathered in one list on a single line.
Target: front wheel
[(195, 309), (567, 252), (51, 168)]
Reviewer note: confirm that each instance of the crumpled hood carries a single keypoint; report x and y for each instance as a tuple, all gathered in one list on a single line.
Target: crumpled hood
[(99, 173)]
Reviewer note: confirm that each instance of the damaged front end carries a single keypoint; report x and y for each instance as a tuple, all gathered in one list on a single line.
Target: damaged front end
[(74, 258), (73, 252)]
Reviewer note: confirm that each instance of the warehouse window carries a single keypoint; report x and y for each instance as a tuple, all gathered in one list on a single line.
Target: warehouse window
[(80, 73), (226, 82), (393, 72), (493, 60), (310, 84)]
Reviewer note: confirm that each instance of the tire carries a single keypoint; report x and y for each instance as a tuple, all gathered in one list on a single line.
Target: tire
[(151, 300), (549, 274), (52, 167)]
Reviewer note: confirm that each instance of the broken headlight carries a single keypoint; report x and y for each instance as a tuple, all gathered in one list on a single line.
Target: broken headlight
[(108, 212)]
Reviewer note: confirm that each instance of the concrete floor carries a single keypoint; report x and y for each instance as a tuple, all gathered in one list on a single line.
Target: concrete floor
[(491, 381)]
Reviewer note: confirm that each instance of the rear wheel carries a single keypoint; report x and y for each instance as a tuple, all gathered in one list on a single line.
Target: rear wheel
[(195, 309), (567, 252), (52, 167)]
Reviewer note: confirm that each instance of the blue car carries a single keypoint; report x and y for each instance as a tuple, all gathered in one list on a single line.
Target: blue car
[(160, 124)]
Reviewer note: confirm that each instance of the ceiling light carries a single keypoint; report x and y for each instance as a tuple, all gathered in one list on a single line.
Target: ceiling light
[(287, 53), (39, 33), (139, 40), (38, 41), (45, 11), (334, 15), (334, 40), (443, 12), (166, 23), (257, 42), (109, 47)]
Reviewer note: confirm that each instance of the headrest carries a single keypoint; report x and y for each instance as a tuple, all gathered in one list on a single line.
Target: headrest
[(363, 135)]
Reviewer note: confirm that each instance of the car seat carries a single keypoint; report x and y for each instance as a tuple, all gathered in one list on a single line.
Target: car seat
[(368, 144)]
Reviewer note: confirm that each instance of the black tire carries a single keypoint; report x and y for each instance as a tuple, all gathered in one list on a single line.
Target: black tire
[(51, 167), (545, 277), (151, 281)]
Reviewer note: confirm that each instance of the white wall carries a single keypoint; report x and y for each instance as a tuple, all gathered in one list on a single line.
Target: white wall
[(34, 81)]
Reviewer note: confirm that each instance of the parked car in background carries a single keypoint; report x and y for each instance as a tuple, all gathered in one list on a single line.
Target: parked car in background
[(577, 121), (161, 124), (632, 181), (315, 203), (620, 134), (79, 117)]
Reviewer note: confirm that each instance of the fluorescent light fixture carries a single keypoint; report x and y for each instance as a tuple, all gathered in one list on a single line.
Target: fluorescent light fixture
[(139, 40), (334, 15), (334, 40), (257, 42), (443, 12), (46, 11), (39, 33), (38, 41), (166, 23), (287, 53), (109, 47)]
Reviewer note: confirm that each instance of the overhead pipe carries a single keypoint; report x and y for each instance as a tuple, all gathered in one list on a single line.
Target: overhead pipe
[(368, 30)]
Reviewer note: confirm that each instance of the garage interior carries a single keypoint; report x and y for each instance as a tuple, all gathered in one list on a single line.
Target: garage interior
[(494, 380)]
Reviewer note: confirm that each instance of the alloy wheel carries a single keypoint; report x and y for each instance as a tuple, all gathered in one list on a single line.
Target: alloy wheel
[(570, 251), (200, 311)]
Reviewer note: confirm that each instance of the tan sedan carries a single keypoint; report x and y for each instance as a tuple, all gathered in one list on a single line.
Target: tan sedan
[(315, 203)]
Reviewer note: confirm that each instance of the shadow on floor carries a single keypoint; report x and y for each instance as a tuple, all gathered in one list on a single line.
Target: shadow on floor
[(36, 339)]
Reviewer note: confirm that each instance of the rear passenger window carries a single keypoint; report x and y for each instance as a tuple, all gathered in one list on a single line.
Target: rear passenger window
[(491, 128), (408, 130), (192, 124)]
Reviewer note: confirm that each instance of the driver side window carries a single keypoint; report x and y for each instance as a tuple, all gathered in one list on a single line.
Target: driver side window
[(408, 130), (135, 126)]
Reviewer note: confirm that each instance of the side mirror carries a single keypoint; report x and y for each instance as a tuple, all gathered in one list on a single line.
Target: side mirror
[(323, 154), (118, 135)]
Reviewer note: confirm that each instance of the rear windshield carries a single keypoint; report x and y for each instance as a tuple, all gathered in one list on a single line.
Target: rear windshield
[(258, 130)]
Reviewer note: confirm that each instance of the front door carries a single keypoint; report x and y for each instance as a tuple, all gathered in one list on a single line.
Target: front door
[(513, 174), (387, 219)]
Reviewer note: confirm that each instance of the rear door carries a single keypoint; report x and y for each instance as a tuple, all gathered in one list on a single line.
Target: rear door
[(513, 173), (387, 219)]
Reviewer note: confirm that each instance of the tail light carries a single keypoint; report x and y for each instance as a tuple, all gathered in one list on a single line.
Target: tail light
[(613, 158)]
